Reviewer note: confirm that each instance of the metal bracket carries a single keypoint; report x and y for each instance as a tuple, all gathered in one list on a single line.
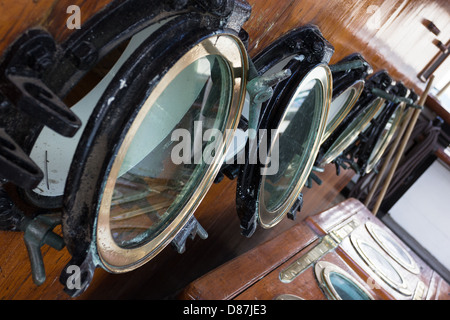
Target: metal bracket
[(191, 229), (297, 207), (16, 166), (21, 83), (261, 90), (328, 243), (37, 232), (313, 177), (340, 162)]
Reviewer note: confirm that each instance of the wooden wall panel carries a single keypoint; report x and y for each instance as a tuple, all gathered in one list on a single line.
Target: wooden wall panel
[(390, 34), (18, 16)]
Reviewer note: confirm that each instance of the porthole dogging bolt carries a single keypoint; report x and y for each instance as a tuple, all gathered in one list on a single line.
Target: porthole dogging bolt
[(261, 90)]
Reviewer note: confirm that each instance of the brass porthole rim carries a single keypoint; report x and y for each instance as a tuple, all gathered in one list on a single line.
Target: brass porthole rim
[(342, 142), (400, 287), (119, 260), (411, 267), (356, 89)]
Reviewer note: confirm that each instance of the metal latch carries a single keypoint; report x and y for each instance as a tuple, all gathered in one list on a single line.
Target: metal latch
[(328, 243), (37, 232), (190, 230)]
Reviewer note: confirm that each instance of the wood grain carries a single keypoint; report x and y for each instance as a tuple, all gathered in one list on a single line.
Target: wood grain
[(255, 274)]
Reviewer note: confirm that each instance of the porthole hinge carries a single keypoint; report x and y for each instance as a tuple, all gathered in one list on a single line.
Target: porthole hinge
[(37, 232)]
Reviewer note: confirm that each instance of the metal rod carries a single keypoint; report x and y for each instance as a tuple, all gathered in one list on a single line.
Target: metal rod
[(389, 156), (348, 65), (407, 135)]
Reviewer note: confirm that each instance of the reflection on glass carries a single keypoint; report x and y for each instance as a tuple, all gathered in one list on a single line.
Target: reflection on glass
[(297, 133), (337, 104), (346, 288), (351, 132), (381, 264), (151, 190), (392, 247)]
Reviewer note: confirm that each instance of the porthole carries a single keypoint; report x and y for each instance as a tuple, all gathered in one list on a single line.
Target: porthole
[(338, 284), (357, 120), (349, 76), (138, 198), (386, 136), (289, 131), (392, 247), (377, 262)]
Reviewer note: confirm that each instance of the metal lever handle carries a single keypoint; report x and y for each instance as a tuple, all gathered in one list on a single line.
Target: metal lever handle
[(260, 90), (349, 65), (37, 232), (383, 94), (191, 229)]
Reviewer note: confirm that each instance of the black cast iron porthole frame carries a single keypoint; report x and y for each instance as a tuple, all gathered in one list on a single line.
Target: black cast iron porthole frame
[(310, 49), (348, 72), (363, 148), (322, 271), (87, 179)]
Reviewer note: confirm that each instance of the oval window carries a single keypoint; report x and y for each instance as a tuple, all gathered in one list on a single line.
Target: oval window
[(377, 261), (392, 247), (339, 284), (385, 138), (351, 132)]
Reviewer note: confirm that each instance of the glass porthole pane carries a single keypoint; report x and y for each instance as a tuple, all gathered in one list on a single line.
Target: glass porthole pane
[(381, 263), (345, 288), (384, 139), (152, 188), (349, 135), (338, 103), (296, 135)]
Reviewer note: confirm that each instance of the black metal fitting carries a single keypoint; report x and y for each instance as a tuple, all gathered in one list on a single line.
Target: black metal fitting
[(37, 232), (306, 47)]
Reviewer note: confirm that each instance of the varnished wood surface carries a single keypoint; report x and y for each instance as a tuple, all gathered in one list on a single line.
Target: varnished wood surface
[(305, 286), (443, 156), (237, 275), (390, 34), (242, 278), (18, 16)]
